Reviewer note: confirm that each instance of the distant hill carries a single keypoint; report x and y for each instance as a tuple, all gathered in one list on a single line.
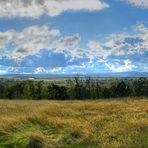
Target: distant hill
[(52, 76)]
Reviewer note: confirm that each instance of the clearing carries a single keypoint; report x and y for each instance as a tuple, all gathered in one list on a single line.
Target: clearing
[(74, 124)]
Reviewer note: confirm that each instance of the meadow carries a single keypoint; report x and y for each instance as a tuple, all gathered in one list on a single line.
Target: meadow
[(74, 124)]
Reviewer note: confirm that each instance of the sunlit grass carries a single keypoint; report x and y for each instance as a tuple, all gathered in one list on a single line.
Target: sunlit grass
[(76, 124)]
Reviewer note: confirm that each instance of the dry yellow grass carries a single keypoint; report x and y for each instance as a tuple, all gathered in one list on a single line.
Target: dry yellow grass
[(74, 124)]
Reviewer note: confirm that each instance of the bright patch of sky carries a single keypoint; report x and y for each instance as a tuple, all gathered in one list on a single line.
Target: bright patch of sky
[(73, 36)]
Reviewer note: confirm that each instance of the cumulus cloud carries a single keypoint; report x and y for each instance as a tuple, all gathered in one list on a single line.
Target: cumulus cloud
[(40, 46), (68, 42), (122, 44), (127, 65), (28, 41), (138, 3), (37, 43), (37, 8)]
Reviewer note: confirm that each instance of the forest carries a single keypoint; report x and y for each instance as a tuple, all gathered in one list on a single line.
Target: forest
[(71, 89)]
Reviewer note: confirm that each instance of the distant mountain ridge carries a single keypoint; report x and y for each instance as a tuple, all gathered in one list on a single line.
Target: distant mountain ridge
[(51, 76)]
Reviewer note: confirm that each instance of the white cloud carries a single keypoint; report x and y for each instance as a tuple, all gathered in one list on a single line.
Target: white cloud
[(146, 67), (138, 3), (37, 8), (117, 67), (5, 69), (39, 70), (68, 42), (31, 40), (106, 49), (122, 44), (3, 72), (98, 50), (28, 41), (43, 70), (54, 70), (141, 28)]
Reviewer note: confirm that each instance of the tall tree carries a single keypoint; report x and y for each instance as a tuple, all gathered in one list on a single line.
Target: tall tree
[(27, 91)]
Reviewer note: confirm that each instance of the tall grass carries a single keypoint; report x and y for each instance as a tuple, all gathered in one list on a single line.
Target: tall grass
[(74, 124)]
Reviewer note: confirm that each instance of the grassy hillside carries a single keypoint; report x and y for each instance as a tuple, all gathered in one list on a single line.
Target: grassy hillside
[(74, 124)]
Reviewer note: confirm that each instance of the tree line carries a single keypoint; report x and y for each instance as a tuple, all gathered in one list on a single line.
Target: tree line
[(77, 88)]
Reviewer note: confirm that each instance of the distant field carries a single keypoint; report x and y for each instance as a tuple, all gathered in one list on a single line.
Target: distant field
[(74, 124)]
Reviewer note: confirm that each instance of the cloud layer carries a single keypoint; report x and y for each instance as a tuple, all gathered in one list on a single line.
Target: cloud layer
[(123, 52), (37, 8), (40, 46)]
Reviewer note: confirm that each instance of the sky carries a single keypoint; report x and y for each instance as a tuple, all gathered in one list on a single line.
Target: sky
[(73, 36)]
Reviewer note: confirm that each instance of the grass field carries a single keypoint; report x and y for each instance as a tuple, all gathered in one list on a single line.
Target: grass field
[(74, 124)]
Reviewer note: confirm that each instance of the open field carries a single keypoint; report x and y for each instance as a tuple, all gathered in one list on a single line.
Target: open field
[(74, 124)]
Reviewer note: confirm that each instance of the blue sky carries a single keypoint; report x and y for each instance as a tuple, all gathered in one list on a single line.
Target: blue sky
[(73, 36)]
